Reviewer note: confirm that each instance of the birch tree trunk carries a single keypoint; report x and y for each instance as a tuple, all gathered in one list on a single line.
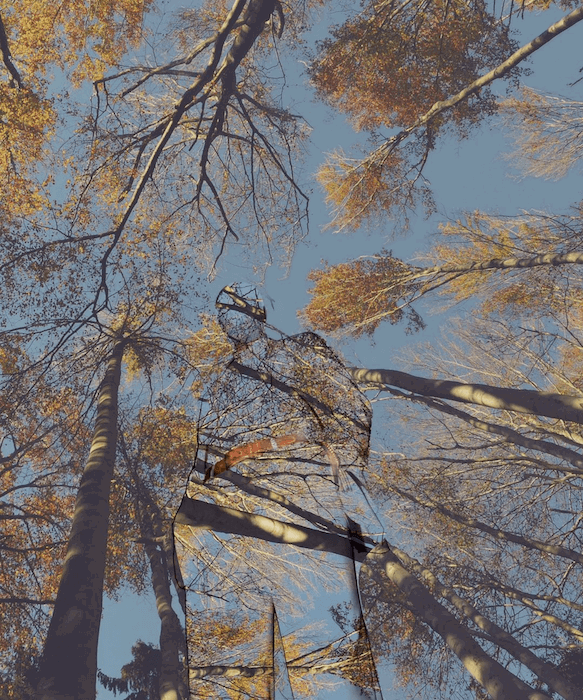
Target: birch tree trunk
[(172, 686), (500, 683), (546, 260), (538, 403), (69, 662), (545, 671), (172, 637)]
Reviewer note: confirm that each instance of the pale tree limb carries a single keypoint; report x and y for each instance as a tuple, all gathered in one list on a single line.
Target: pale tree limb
[(489, 673), (511, 436), (248, 485), (539, 403), (498, 681), (210, 516), (223, 671), (514, 263), (501, 535), (545, 671), (500, 71), (393, 285)]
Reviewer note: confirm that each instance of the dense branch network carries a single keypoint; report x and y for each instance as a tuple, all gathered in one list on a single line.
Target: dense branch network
[(220, 114), (386, 182)]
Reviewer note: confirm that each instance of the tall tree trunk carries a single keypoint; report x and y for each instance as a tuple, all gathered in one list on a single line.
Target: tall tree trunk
[(69, 662), (538, 403), (545, 671), (172, 685), (500, 683), (172, 636)]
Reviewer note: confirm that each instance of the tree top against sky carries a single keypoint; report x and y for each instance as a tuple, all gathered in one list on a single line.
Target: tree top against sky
[(144, 146)]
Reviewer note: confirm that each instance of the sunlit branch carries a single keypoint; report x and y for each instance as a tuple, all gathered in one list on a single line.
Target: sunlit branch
[(512, 436), (497, 680), (540, 403), (545, 671), (500, 71), (210, 516)]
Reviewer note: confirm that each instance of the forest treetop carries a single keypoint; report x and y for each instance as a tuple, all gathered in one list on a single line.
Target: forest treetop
[(141, 147)]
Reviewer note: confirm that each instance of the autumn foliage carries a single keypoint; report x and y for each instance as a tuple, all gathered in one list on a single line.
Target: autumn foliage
[(140, 142), (402, 58), (85, 37), (520, 289), (42, 447), (514, 265), (79, 40), (355, 297), (547, 131), (423, 70)]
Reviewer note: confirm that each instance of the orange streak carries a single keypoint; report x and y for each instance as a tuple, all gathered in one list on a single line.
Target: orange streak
[(251, 450)]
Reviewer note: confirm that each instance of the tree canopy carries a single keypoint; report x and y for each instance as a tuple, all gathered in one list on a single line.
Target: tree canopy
[(157, 438)]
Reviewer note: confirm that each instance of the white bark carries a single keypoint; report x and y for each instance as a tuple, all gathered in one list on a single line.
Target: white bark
[(209, 516), (500, 683), (545, 671), (538, 403)]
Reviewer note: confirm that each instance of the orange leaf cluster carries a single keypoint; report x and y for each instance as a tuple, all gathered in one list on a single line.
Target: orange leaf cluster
[(359, 190), (401, 61), (168, 438), (41, 38), (87, 36), (480, 237), (355, 297), (208, 350)]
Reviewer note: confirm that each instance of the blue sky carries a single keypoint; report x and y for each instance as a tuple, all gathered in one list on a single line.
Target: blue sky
[(464, 176)]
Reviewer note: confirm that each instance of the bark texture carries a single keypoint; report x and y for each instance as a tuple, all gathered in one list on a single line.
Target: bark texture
[(69, 663), (500, 683), (538, 403)]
